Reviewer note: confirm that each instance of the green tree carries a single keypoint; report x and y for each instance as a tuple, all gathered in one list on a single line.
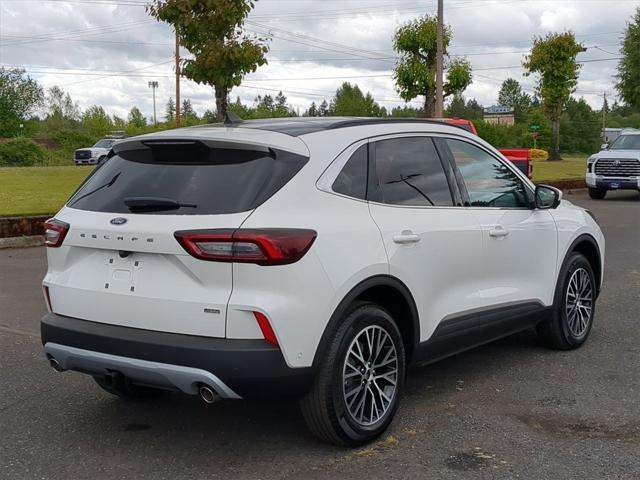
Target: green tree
[(474, 111), (62, 111), (212, 31), (581, 127), (209, 116), (553, 58), (323, 109), (96, 121), (406, 111), (170, 111), (312, 111), (136, 119), (457, 107), (511, 95), (188, 115), (119, 123), (628, 84), (415, 72), (20, 96), (350, 101)]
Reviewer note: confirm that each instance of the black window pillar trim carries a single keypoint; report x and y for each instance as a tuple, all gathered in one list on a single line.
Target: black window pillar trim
[(445, 153)]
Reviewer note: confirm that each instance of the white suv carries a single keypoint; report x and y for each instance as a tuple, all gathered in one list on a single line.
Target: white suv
[(319, 257)]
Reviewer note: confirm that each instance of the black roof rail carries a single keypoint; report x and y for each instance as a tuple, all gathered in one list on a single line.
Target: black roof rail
[(356, 122)]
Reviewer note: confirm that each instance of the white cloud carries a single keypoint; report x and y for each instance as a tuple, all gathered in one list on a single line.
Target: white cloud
[(77, 45)]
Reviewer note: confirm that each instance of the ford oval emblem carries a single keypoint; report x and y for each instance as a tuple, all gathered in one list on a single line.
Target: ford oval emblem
[(118, 221)]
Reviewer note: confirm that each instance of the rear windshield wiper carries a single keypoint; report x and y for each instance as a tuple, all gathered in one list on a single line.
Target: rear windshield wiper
[(104, 185), (155, 203)]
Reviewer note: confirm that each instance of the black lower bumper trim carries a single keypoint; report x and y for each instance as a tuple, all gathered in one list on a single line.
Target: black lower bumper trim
[(252, 368), (621, 184)]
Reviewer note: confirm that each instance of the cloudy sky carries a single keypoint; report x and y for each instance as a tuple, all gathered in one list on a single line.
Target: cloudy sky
[(106, 51)]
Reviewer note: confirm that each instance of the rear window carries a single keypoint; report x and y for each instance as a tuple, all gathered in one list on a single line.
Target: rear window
[(186, 179)]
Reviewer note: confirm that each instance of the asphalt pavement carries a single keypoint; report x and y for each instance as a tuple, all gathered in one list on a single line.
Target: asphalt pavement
[(511, 409)]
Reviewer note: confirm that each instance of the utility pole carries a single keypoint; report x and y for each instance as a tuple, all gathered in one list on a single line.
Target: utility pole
[(153, 86), (439, 62), (604, 115), (177, 80)]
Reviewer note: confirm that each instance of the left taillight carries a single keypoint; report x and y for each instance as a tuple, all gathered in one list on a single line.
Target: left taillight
[(54, 232), (268, 246)]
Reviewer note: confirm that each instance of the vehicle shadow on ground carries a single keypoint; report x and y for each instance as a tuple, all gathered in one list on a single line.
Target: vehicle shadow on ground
[(239, 429)]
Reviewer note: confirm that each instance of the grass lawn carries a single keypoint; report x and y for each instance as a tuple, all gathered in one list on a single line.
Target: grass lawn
[(37, 190), (572, 167)]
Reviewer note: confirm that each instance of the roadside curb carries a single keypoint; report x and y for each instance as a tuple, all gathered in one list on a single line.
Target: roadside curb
[(22, 241)]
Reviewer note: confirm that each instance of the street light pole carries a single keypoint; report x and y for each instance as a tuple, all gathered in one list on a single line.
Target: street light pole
[(153, 86)]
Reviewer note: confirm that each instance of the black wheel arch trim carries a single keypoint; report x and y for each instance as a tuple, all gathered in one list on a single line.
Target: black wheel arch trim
[(597, 269), (352, 296)]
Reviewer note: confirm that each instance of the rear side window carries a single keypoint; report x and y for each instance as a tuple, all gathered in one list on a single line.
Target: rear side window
[(186, 179), (352, 179), (408, 171)]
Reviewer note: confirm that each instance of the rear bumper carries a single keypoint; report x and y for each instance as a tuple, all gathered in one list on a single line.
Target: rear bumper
[(234, 368)]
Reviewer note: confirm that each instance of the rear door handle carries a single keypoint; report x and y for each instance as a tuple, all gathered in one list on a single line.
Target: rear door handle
[(406, 237), (498, 231)]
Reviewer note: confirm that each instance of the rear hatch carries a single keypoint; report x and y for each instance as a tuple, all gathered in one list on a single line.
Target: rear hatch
[(120, 263)]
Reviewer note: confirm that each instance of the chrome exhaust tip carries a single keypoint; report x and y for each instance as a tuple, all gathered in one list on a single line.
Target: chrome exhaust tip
[(207, 394), (55, 365)]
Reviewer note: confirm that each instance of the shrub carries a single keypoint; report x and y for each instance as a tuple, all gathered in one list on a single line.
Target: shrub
[(20, 152), (70, 140), (538, 154)]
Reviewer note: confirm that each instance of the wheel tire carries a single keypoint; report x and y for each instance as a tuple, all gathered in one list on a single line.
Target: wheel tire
[(569, 326), (125, 389), (597, 193), (324, 406)]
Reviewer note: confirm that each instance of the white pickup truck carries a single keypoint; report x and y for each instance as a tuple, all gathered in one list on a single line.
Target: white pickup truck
[(616, 166), (94, 155)]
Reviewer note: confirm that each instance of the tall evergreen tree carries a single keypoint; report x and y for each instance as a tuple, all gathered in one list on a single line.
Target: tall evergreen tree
[(170, 111)]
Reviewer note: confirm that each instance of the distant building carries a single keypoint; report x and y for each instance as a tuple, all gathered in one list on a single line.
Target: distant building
[(499, 115)]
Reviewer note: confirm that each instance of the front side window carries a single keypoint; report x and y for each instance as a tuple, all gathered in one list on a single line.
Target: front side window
[(408, 171), (352, 179), (489, 182)]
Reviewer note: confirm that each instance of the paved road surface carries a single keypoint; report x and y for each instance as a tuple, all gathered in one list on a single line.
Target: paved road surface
[(507, 410)]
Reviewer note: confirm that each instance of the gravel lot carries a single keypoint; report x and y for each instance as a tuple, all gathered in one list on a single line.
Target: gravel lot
[(507, 410)]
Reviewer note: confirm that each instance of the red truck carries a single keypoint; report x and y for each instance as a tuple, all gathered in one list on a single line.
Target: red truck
[(520, 157)]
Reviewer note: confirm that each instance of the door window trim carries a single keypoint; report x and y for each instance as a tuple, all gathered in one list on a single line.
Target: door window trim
[(456, 184), (441, 144)]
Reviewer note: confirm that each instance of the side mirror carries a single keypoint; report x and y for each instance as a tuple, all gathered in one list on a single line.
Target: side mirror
[(547, 197), (604, 146)]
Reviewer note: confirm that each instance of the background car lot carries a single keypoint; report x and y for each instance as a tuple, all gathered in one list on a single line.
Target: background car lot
[(508, 409)]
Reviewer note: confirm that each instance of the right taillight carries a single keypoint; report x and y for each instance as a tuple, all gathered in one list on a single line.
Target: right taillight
[(54, 232), (265, 246)]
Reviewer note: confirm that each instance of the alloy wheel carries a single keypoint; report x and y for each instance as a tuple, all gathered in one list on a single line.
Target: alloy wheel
[(579, 302), (370, 375)]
